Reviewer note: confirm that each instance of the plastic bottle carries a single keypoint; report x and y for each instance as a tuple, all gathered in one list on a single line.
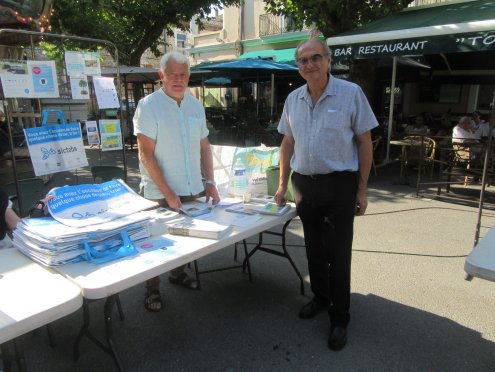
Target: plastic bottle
[(240, 179)]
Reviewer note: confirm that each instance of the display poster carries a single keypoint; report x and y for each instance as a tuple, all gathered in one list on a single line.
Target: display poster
[(82, 63), (106, 94), (91, 204), (79, 87), (56, 148), (92, 133), (29, 79), (110, 134)]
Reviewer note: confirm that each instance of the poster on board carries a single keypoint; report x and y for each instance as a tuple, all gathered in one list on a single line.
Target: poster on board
[(29, 79), (82, 63), (106, 94), (110, 135), (79, 87), (92, 133), (56, 148)]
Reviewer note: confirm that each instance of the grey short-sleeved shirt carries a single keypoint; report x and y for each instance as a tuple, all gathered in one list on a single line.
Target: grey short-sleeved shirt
[(324, 134)]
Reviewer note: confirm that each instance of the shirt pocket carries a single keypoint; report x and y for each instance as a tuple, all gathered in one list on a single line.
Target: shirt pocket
[(335, 119), (195, 125)]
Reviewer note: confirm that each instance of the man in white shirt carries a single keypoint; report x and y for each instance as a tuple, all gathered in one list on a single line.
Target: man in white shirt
[(174, 153), (463, 131)]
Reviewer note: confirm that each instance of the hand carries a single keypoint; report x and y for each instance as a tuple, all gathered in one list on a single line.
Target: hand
[(45, 201), (212, 192), (173, 201), (279, 196), (361, 203)]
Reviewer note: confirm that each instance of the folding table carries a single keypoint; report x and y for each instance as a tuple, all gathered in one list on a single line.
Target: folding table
[(156, 256), (31, 296), (481, 261)]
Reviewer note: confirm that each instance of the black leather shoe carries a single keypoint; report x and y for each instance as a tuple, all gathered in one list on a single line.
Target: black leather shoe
[(311, 309), (338, 338)]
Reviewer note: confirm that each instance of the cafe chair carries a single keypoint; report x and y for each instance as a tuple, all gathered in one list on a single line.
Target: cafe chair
[(107, 172), (467, 156), (30, 191), (423, 155)]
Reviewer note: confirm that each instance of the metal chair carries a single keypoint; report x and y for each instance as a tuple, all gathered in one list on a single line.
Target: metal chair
[(376, 142), (30, 190), (424, 154), (107, 172)]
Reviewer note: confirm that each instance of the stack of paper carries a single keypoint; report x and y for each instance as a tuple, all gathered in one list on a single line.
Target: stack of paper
[(199, 228), (274, 209), (52, 243)]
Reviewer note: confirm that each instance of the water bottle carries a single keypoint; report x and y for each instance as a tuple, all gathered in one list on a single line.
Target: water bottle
[(240, 179)]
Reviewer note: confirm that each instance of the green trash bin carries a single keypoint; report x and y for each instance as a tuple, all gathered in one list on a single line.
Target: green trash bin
[(272, 177)]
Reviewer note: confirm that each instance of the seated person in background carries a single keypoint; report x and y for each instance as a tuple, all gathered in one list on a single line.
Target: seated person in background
[(9, 219), (463, 132), (419, 127), (446, 120), (273, 124), (429, 121), (481, 127)]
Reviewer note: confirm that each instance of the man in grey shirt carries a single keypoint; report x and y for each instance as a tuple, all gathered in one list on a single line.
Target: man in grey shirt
[(327, 143)]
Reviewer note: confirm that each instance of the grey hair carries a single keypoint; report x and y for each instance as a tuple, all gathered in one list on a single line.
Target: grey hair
[(464, 119), (173, 56), (324, 45)]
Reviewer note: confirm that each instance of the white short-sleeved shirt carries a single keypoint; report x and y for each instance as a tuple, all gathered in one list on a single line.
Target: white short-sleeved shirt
[(483, 130), (324, 133), (177, 131), (461, 135)]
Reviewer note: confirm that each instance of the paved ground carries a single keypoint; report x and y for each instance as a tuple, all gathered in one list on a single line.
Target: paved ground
[(412, 310)]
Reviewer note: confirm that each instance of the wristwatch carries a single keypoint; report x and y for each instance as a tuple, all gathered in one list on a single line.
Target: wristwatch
[(211, 182)]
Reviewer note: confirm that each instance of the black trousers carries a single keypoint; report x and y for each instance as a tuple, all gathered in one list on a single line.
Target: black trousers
[(326, 205)]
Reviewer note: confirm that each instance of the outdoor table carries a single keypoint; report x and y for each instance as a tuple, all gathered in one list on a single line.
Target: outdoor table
[(105, 281), (406, 144), (31, 296), (481, 261)]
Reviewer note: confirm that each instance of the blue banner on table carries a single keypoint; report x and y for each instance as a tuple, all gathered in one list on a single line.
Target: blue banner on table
[(56, 148), (87, 204)]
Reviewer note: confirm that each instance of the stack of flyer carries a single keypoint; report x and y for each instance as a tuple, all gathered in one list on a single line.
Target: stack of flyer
[(82, 215), (200, 229), (52, 243)]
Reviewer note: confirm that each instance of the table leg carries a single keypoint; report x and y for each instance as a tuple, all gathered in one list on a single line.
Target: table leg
[(228, 267), (109, 304), (12, 353), (285, 253), (109, 348)]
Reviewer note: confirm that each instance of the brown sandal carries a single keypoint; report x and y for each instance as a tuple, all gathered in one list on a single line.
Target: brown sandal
[(153, 301), (184, 280)]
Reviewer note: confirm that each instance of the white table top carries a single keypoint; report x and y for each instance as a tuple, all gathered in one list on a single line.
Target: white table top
[(100, 281), (31, 295), (481, 261)]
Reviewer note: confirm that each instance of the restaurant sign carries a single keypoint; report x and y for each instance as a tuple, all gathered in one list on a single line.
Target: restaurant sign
[(457, 43)]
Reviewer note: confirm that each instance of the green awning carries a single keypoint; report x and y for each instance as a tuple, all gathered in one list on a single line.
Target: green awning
[(433, 29), (278, 55)]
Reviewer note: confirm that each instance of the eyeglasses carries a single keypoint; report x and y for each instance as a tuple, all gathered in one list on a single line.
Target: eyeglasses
[(315, 59), (176, 76)]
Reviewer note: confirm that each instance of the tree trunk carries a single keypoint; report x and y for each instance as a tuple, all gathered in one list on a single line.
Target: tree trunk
[(363, 73)]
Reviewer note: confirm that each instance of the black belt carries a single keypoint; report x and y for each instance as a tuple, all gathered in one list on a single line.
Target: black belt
[(317, 177)]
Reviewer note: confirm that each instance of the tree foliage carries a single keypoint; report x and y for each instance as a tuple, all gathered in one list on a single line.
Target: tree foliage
[(332, 17), (132, 25)]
